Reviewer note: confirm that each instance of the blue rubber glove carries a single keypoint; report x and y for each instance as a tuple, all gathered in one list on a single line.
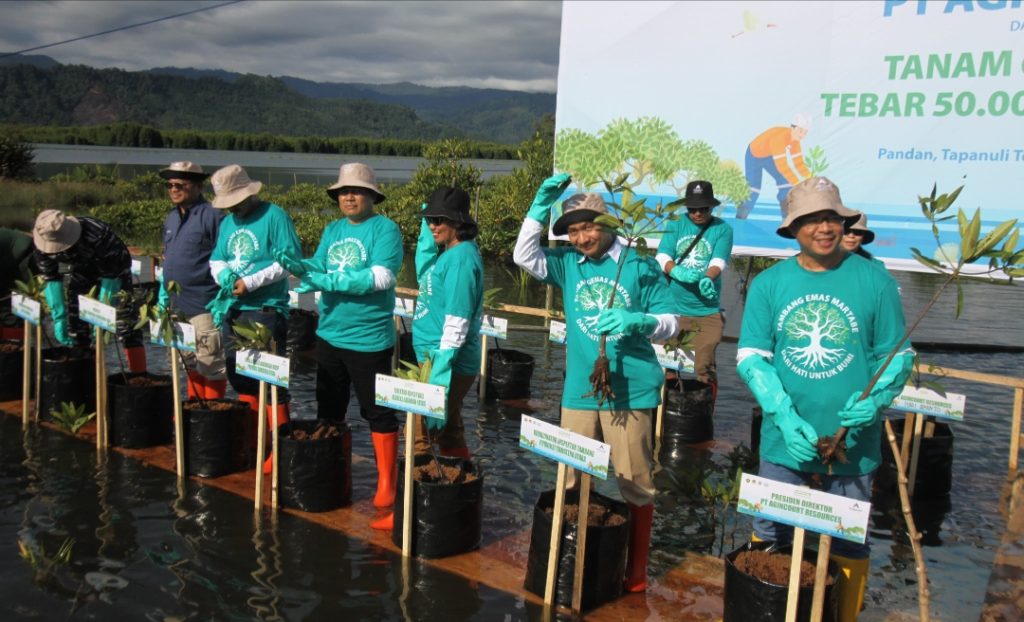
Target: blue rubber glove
[(799, 436), (859, 413), (707, 288), (549, 191), (441, 375), (297, 265), (620, 321), (54, 293), (685, 275), (109, 289), (219, 307), (352, 282), (163, 300), (426, 247), (226, 279)]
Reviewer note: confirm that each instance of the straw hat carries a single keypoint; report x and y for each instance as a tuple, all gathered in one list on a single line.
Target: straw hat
[(356, 175), (581, 207), (231, 186), (183, 170), (861, 226), (55, 231), (817, 194)]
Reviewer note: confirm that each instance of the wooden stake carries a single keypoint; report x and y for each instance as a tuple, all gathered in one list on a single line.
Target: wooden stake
[(412, 421), (26, 371), (261, 442), (39, 367), (908, 433), (915, 453), (556, 536), (99, 389), (273, 450), (1018, 405), (581, 542), (793, 598), (820, 576), (482, 382), (179, 413)]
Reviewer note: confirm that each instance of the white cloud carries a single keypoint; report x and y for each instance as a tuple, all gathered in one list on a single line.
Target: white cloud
[(511, 45)]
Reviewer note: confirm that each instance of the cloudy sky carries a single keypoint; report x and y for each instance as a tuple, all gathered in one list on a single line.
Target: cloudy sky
[(497, 44)]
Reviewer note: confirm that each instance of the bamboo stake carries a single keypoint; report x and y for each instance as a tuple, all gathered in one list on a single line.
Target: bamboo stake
[(275, 435), (482, 382), (412, 421), (26, 371), (915, 536), (820, 576), (556, 536), (261, 443), (1018, 405), (179, 423), (99, 389), (908, 433), (915, 453), (39, 367), (581, 542), (793, 597)]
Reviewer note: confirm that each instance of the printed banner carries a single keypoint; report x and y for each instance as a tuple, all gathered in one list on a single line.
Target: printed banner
[(494, 327), (184, 336), (556, 332), (677, 359), (799, 506), (92, 311), (405, 307), (928, 402), (575, 450), (410, 396), (26, 308), (263, 366), (885, 98)]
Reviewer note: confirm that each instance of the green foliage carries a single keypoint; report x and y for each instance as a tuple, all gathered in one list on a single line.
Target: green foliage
[(140, 221), (412, 371), (71, 416), (150, 311), (17, 158), (44, 566), (33, 289), (252, 336), (816, 161), (490, 297), (310, 208)]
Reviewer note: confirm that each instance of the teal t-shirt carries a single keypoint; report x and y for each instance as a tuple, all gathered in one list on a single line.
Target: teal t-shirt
[(715, 244), (828, 331), (587, 286), (247, 245), (361, 323), (452, 283)]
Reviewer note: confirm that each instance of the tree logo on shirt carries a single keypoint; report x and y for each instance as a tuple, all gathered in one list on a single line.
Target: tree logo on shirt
[(590, 297), (243, 246), (423, 297), (346, 253), (819, 327), (698, 257)]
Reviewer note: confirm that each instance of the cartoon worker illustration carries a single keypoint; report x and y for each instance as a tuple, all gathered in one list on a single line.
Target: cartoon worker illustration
[(777, 152)]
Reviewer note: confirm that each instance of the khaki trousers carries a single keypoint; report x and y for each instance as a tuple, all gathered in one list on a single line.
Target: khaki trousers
[(209, 356), (629, 434), (705, 342), (453, 434)]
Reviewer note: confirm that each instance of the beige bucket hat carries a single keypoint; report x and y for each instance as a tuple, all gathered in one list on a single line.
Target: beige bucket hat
[(55, 231), (358, 175), (580, 207), (861, 226), (231, 186), (816, 194), (183, 170)]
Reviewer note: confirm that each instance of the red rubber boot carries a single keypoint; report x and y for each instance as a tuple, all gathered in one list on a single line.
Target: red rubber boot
[(136, 359), (639, 546)]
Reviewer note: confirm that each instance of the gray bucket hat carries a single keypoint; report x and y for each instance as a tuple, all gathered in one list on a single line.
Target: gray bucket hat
[(231, 186), (184, 170), (357, 175), (581, 207), (816, 194), (861, 227), (55, 231)]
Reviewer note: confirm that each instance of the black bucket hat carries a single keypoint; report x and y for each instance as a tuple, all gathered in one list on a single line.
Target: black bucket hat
[(450, 203), (699, 194)]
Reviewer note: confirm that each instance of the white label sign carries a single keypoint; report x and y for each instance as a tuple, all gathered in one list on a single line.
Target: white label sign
[(404, 307), (928, 402), (561, 445), (184, 335), (136, 267), (92, 311), (26, 308), (814, 510), (494, 327), (263, 366), (556, 332), (410, 396), (158, 272), (677, 359)]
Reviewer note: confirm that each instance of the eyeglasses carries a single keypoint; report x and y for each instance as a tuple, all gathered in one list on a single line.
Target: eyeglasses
[(174, 185), (435, 220), (830, 218)]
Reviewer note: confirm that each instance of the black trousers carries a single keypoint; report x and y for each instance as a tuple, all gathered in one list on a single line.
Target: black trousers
[(277, 323), (338, 371)]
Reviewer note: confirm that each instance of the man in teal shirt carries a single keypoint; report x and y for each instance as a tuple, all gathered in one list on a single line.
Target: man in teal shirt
[(693, 253), (253, 286), (642, 310), (354, 267), (816, 328)]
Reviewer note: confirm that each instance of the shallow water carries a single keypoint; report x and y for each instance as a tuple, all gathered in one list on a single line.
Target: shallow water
[(141, 553)]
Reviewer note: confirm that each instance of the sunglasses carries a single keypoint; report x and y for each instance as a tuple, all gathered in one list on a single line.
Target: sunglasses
[(173, 185), (435, 220), (698, 209)]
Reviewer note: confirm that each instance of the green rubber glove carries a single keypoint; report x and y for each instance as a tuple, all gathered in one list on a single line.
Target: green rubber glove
[(352, 282), (799, 436), (549, 191), (685, 275), (54, 293), (109, 289), (622, 322), (426, 247), (163, 299), (707, 288), (441, 375), (219, 307), (858, 413), (226, 279), (297, 265)]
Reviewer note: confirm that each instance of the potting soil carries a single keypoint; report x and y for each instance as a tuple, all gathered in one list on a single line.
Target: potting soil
[(773, 567), (321, 431), (427, 473), (597, 516)]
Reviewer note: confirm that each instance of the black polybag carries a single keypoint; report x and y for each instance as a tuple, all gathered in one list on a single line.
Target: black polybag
[(315, 475), (301, 330), (71, 380), (446, 517), (211, 438), (688, 413), (508, 374), (140, 416), (11, 374), (747, 598), (934, 477), (604, 562)]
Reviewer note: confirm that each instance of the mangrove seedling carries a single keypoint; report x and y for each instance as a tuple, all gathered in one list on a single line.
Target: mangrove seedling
[(252, 335), (33, 289), (44, 567), (71, 417), (165, 318), (421, 373)]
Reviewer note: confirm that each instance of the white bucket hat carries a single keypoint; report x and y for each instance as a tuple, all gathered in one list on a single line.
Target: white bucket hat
[(357, 175), (231, 186), (55, 231), (816, 194), (184, 170)]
